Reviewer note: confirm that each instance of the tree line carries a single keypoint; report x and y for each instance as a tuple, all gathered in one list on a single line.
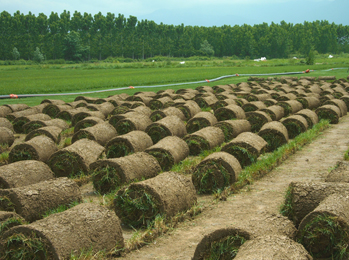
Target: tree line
[(85, 37)]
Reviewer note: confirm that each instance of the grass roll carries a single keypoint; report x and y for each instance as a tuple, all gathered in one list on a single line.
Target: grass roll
[(310, 116), (206, 101), (52, 132), (53, 110), (309, 102), (257, 119), (232, 128), (69, 114), (159, 103), (36, 124), (295, 124), (81, 115), (9, 220), (190, 108), (223, 103), (290, 106), (275, 134), (101, 133), (275, 112), (229, 112), (20, 121), (132, 123), (200, 120), (253, 106), (6, 136), (340, 104), (87, 122), (329, 112), (169, 111)]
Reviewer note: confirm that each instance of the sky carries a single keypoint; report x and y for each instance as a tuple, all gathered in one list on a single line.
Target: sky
[(195, 12)]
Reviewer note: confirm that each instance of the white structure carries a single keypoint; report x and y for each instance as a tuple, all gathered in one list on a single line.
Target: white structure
[(330, 57), (182, 62), (263, 59)]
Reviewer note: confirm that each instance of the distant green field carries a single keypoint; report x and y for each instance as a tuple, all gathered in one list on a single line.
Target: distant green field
[(45, 79)]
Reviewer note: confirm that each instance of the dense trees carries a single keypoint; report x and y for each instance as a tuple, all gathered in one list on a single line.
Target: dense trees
[(85, 37)]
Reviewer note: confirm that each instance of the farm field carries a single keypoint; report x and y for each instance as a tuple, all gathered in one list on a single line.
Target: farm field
[(116, 154)]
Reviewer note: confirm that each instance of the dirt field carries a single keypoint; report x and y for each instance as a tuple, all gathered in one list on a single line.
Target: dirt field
[(254, 203)]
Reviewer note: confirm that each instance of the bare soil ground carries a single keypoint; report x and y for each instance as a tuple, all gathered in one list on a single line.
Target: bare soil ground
[(259, 199)]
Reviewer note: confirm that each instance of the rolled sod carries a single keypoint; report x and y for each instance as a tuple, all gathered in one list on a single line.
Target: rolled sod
[(288, 96), (221, 88), (324, 232), (270, 102), (120, 110), (142, 110), (232, 128), (113, 120), (89, 100), (295, 124), (76, 104), (83, 228), (52, 132), (105, 108), (257, 119), (169, 151), (199, 121), (246, 148), (101, 133), (309, 102), (253, 106), (4, 122), (310, 116), (205, 139), (190, 108), (229, 112), (110, 174), (6, 136), (87, 122), (69, 114), (275, 112), (53, 101), (206, 101), (81, 115), (275, 134), (170, 111), (203, 89), (35, 124), (53, 110), (168, 126), (8, 220), (329, 112), (326, 98), (216, 171), (75, 159), (223, 103), (345, 98), (303, 197), (272, 247), (159, 103), (24, 173), (4, 111), (27, 112), (17, 107), (33, 201), (132, 123), (290, 106), (39, 148), (340, 173), (258, 97), (340, 104), (20, 121), (221, 244), (132, 142), (167, 194)]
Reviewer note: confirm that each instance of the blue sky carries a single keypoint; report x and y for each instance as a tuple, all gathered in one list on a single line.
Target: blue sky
[(196, 12)]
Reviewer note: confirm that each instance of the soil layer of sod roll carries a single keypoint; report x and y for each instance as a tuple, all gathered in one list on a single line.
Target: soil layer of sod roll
[(275, 112), (329, 112), (87, 122), (52, 132), (324, 232), (169, 151), (101, 133), (229, 112), (39, 148), (310, 116), (295, 124), (204, 139), (215, 172), (87, 227), (272, 247), (20, 121), (32, 201), (138, 122), (199, 121), (132, 142), (232, 128), (109, 174), (246, 148), (35, 124), (257, 119), (275, 134), (24, 173), (303, 197), (9, 220), (167, 194), (168, 126), (170, 111), (221, 244), (75, 159), (6, 136)]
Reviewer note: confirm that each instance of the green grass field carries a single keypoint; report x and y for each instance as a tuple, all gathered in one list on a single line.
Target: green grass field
[(76, 78)]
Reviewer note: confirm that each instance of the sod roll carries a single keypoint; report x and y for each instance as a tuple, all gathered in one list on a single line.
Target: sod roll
[(110, 174), (87, 227), (105, 108), (53, 110), (324, 232), (4, 122), (101, 133), (340, 173), (20, 121), (52, 132), (340, 104), (132, 123), (229, 112), (169, 111), (159, 103), (17, 107), (272, 247), (199, 121), (303, 197), (35, 124), (257, 119), (39, 148), (290, 106), (246, 148), (33, 201), (232, 128), (87, 122), (113, 120), (206, 101), (142, 110), (215, 172), (168, 126), (275, 112), (75, 159), (204, 139), (329, 112), (27, 112), (270, 102), (83, 114), (310, 116), (224, 102), (275, 134), (295, 124), (6, 136), (69, 114), (4, 111), (190, 108), (8, 220), (309, 102), (253, 106), (167, 194), (169, 151)]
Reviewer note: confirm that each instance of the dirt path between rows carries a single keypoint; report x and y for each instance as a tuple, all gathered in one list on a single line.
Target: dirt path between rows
[(265, 196)]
